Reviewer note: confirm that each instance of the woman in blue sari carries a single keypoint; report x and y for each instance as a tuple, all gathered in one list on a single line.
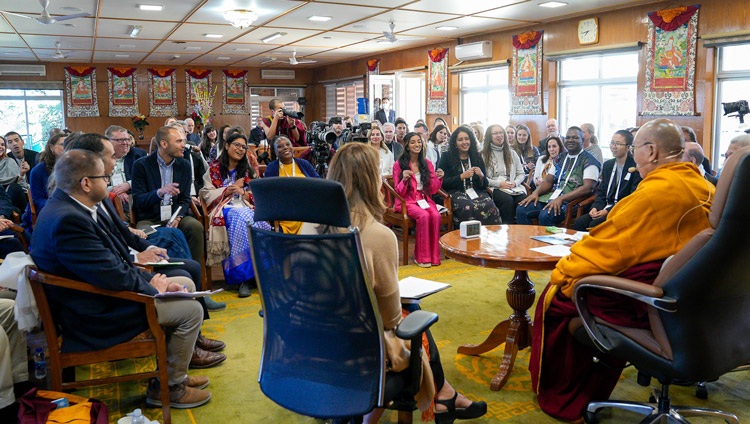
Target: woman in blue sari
[(226, 191)]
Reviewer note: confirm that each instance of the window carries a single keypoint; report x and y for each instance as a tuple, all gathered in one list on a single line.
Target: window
[(31, 113), (601, 90), (485, 96), (341, 98), (733, 84), (411, 100), (260, 96)]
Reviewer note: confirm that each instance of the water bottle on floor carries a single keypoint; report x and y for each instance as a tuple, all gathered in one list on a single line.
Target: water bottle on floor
[(137, 417), (40, 364)]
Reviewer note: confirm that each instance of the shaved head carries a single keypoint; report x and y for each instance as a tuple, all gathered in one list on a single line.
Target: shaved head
[(665, 134)]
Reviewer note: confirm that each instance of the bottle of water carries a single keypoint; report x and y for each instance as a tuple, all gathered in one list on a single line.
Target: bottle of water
[(138, 417), (40, 364)]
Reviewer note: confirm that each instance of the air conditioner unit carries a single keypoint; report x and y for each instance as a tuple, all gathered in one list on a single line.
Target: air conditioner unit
[(9, 69), (286, 74), (472, 51)]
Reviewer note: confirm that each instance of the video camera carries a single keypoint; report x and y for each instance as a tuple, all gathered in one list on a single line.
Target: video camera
[(740, 107), (359, 132), (320, 138)]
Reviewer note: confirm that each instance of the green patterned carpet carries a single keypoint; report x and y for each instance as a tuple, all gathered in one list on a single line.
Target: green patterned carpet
[(468, 311)]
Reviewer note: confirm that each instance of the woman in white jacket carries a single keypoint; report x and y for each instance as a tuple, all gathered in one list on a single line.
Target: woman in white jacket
[(376, 140), (504, 172)]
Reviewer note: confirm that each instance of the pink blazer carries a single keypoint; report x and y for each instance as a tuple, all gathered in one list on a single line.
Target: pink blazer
[(408, 189)]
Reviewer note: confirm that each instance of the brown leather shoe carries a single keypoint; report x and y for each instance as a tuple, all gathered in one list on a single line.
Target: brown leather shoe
[(210, 345), (197, 381), (205, 359), (180, 396)]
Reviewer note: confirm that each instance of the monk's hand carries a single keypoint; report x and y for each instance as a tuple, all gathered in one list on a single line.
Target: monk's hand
[(554, 206)]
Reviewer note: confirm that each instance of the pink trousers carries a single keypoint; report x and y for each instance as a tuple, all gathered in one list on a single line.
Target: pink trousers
[(426, 249)]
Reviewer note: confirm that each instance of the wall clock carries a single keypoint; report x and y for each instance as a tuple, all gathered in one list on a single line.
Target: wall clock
[(588, 31)]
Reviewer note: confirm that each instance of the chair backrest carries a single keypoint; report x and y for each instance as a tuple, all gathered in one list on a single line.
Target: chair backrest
[(32, 208), (710, 279), (323, 352), (300, 199)]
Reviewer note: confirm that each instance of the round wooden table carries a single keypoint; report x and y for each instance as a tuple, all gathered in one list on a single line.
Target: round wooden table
[(507, 247)]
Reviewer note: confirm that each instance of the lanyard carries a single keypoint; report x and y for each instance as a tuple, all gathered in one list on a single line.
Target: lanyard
[(470, 183), (562, 171), (609, 186), (294, 169)]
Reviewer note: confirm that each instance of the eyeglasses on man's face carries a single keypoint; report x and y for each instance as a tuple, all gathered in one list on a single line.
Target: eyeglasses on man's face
[(106, 178)]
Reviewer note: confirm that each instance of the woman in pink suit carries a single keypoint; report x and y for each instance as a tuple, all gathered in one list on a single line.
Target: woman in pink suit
[(416, 181)]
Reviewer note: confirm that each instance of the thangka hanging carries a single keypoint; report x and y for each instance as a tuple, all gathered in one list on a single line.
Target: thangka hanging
[(197, 81), (526, 77), (437, 85), (670, 62), (123, 91), (80, 91), (162, 92), (235, 92)]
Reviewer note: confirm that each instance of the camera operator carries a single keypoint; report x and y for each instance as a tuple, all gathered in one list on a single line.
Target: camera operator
[(284, 122), (337, 126)]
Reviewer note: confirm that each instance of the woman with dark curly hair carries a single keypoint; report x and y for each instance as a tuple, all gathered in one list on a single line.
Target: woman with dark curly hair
[(465, 180)]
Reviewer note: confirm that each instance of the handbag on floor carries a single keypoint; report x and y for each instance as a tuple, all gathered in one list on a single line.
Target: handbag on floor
[(37, 407)]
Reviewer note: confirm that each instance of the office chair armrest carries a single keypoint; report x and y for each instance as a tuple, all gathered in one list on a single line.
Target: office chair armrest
[(415, 324), (646, 293)]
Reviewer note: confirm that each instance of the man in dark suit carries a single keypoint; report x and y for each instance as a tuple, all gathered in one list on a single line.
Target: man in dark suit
[(161, 186), (17, 151), (74, 239), (385, 114)]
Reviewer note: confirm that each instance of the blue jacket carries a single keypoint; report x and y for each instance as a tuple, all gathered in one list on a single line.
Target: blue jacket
[(147, 180), (272, 170), (67, 242)]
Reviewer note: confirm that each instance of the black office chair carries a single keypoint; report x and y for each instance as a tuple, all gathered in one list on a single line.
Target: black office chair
[(697, 307), (323, 349)]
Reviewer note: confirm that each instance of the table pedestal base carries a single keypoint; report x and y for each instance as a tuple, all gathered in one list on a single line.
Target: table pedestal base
[(515, 332)]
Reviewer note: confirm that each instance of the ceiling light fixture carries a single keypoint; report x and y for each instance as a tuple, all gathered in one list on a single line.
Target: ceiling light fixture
[(553, 4), (151, 7), (134, 30), (213, 35), (193, 48), (317, 18), (240, 18), (243, 49), (126, 46), (272, 37), (446, 28), (223, 58), (122, 55)]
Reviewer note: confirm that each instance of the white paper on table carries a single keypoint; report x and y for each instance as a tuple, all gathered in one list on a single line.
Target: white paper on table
[(417, 288), (558, 250)]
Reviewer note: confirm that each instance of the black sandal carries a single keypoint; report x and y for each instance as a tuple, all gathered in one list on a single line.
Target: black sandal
[(475, 410)]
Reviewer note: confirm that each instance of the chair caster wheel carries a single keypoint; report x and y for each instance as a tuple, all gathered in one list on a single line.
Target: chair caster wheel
[(701, 392), (590, 417)]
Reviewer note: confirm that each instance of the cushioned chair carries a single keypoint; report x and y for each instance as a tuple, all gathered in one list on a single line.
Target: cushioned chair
[(401, 219), (150, 343), (697, 306), (323, 349)]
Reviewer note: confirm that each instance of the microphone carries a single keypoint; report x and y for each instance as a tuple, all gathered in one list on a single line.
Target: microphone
[(632, 169)]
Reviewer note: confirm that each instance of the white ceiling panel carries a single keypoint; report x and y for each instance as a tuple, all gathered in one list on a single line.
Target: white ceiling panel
[(340, 15), (115, 57), (291, 36), (404, 20), (126, 44), (174, 10), (353, 31), (460, 7), (213, 11), (121, 28), (195, 32)]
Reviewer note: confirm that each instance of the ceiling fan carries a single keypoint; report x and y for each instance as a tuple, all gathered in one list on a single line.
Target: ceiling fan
[(58, 53), (45, 18), (294, 61), (269, 59), (390, 37)]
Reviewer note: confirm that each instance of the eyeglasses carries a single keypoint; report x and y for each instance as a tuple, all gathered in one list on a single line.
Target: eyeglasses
[(120, 140), (106, 178), (239, 146), (616, 144), (633, 147)]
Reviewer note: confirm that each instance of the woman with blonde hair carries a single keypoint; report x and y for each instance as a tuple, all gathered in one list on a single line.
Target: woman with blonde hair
[(511, 131), (355, 166), (525, 148), (376, 139)]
